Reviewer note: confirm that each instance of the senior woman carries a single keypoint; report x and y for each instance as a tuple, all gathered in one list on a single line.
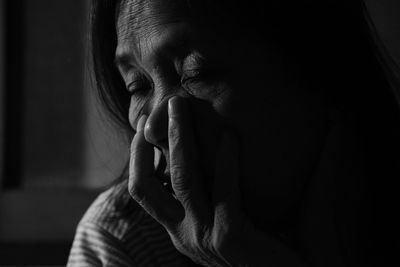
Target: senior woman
[(257, 129)]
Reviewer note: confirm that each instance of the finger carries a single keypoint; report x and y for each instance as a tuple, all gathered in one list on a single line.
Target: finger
[(185, 176), (145, 188), (226, 190)]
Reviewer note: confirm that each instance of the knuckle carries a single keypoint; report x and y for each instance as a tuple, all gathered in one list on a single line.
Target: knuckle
[(174, 140), (183, 191), (136, 148), (179, 177), (174, 133), (177, 171)]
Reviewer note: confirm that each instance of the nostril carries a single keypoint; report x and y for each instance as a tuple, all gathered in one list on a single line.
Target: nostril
[(156, 128), (156, 135)]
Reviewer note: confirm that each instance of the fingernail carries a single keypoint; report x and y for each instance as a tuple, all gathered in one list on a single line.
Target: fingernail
[(176, 106), (141, 123)]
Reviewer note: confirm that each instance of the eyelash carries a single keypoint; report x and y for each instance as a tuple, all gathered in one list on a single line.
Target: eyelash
[(138, 86), (190, 76)]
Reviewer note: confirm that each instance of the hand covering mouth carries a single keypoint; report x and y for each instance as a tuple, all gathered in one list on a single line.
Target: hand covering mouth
[(162, 170)]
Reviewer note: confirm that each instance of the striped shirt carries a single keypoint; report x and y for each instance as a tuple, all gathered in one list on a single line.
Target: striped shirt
[(116, 231)]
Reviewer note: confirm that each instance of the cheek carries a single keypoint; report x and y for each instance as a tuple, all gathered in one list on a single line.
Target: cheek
[(132, 117), (208, 127), (137, 107), (210, 121), (282, 139)]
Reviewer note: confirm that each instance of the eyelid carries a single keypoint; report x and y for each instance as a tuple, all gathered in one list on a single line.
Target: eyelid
[(190, 74), (193, 65), (124, 59), (135, 84), (129, 86), (194, 59), (125, 71), (133, 75), (138, 83)]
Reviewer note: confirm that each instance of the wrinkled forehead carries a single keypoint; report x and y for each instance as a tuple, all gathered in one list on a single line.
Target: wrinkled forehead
[(136, 16)]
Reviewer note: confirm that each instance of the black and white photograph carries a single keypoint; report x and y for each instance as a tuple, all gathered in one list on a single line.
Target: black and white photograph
[(214, 133)]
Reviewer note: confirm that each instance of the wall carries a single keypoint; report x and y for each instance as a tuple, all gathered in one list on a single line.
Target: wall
[(1, 87), (53, 84)]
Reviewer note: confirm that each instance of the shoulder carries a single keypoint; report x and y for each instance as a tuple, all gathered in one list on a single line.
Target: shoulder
[(116, 230), (99, 236), (114, 211), (93, 246)]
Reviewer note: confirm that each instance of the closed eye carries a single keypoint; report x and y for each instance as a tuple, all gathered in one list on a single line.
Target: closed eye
[(138, 85), (132, 87), (201, 74)]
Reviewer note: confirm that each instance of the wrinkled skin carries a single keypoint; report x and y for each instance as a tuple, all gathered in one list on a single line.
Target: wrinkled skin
[(240, 134)]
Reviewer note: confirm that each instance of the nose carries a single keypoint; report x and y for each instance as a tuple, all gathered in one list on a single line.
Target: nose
[(156, 128)]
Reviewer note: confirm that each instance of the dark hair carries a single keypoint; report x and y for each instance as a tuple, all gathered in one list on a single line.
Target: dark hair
[(108, 82), (336, 46)]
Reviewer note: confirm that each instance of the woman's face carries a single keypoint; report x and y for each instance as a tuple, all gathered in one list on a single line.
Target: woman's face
[(233, 81)]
